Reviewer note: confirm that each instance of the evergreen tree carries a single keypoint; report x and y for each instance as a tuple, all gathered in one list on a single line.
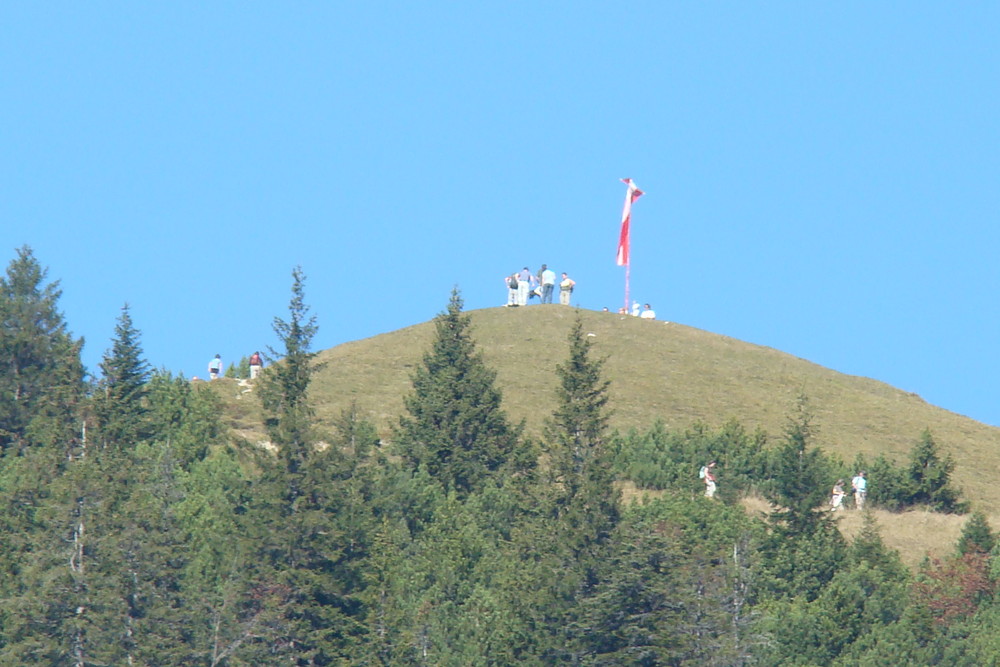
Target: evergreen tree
[(456, 428), (799, 475), (41, 376), (580, 460), (120, 404), (929, 476), (977, 536), (301, 583), (284, 389), (41, 393)]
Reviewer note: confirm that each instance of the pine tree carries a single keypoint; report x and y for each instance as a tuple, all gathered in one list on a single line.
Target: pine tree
[(456, 429), (120, 404)]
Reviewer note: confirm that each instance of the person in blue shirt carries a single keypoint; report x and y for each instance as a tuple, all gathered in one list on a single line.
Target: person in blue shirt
[(860, 486), (215, 367)]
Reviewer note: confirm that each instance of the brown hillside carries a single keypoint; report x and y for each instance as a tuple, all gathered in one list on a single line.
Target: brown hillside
[(670, 372)]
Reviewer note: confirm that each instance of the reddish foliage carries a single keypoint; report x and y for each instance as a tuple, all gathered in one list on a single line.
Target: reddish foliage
[(953, 589)]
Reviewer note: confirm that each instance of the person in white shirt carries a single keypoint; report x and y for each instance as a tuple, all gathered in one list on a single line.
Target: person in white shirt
[(648, 313), (566, 286)]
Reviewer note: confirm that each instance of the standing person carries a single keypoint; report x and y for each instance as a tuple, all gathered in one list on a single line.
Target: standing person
[(566, 286), (215, 367), (548, 283), (511, 282), (837, 496), (256, 363), (707, 474), (635, 309), (523, 286), (648, 313), (860, 486)]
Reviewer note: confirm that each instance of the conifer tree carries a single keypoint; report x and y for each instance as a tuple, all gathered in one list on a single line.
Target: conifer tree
[(977, 536), (799, 474), (41, 376), (576, 438), (456, 428), (284, 388), (301, 579), (929, 476), (41, 392), (120, 404)]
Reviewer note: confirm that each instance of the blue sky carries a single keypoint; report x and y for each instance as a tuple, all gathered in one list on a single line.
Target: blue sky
[(821, 178)]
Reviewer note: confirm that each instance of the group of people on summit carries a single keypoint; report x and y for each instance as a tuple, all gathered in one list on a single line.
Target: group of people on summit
[(523, 285)]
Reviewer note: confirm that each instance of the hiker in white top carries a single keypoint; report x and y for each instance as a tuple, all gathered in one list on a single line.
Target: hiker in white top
[(837, 496), (707, 474)]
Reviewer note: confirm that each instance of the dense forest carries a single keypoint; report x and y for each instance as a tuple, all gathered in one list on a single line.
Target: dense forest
[(137, 531)]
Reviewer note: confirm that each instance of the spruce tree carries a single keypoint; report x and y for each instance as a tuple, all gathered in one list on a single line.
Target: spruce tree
[(41, 376), (580, 462), (284, 388), (41, 394), (977, 536), (929, 476), (800, 475), (120, 404), (300, 585), (456, 428)]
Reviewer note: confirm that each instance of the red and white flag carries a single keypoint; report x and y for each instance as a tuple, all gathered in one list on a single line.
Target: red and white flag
[(631, 195)]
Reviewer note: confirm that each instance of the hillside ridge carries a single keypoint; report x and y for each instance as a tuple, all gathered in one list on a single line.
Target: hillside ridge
[(664, 371)]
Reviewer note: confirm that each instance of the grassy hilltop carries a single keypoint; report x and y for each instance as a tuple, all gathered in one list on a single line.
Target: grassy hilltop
[(664, 371)]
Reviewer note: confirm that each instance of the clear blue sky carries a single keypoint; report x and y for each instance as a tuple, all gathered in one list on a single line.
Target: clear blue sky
[(821, 178)]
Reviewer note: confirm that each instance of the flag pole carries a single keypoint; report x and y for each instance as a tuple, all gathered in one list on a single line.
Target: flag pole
[(628, 271), (624, 239)]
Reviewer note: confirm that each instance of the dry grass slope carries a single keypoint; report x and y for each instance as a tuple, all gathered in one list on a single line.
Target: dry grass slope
[(663, 371)]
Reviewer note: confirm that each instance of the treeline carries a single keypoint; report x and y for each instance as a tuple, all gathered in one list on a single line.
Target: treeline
[(660, 460), (136, 530)]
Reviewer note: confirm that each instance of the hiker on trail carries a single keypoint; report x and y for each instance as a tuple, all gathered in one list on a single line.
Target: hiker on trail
[(707, 474), (566, 286), (523, 286), (837, 496), (648, 313), (548, 278), (256, 363), (215, 368), (511, 283), (860, 486)]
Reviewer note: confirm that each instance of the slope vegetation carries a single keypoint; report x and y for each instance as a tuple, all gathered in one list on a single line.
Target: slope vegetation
[(664, 371)]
